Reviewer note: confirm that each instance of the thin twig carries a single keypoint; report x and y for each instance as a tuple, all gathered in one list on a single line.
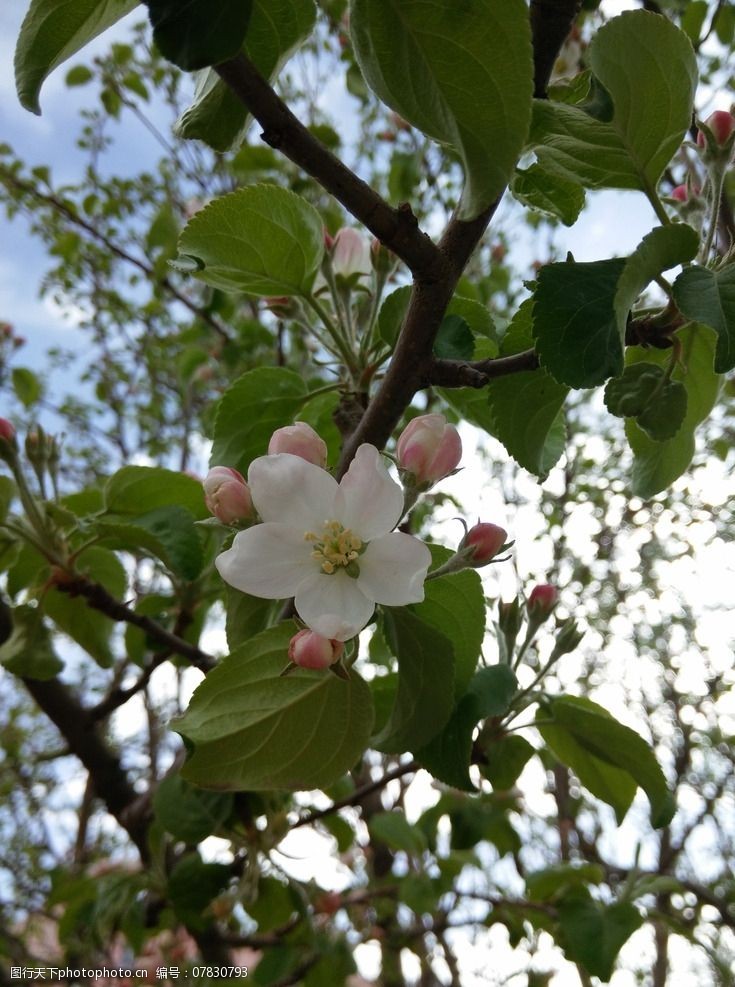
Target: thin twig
[(358, 795), (61, 207)]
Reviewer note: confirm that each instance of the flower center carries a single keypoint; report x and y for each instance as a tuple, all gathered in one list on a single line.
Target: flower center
[(335, 548)]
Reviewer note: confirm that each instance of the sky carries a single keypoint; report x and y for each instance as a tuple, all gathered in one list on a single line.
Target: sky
[(613, 224)]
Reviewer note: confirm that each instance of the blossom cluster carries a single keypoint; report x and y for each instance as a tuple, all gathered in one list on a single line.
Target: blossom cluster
[(334, 546)]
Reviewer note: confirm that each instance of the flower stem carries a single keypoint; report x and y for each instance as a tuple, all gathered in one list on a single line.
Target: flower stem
[(718, 179), (337, 337)]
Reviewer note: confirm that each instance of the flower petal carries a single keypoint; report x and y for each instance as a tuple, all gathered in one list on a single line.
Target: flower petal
[(333, 605), (268, 560), (393, 569), (373, 501), (289, 490)]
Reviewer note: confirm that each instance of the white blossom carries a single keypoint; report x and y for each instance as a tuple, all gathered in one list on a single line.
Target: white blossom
[(329, 545)]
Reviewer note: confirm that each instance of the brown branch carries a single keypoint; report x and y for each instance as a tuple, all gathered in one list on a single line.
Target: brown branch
[(436, 269), (100, 599), (118, 697), (551, 21), (396, 228), (107, 776), (359, 794), (458, 373), (61, 207)]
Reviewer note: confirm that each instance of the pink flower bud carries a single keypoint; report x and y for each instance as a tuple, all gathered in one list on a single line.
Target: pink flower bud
[(429, 448), (350, 253), (307, 649), (7, 430), (542, 600), (299, 440), (485, 541), (721, 123), (680, 193), (227, 495)]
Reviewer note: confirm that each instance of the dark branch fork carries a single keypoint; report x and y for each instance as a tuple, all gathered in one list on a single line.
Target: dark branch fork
[(436, 268)]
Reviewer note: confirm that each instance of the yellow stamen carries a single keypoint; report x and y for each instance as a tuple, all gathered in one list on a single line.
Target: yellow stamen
[(335, 548)]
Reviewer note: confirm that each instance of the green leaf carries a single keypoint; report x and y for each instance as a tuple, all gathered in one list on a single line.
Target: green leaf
[(196, 33), (263, 240), (593, 933), (693, 18), (643, 392), (449, 754), (626, 396), (167, 533), (708, 297), (89, 628), (553, 883), (79, 75), (253, 729), (54, 30), (246, 616), (526, 408), (461, 73), (192, 886), (28, 651), (274, 904), (657, 464), (454, 340), (425, 683), (632, 150), (618, 745), (506, 758), (26, 385), (606, 782), (393, 829), (138, 490), (394, 308), (661, 249), (662, 418), (455, 606), (548, 192), (188, 813), (274, 32), (575, 323), (249, 411)]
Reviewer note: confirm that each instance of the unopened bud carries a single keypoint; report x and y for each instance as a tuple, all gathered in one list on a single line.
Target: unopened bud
[(567, 638), (720, 125), (36, 447), (307, 649), (429, 449), (350, 254), (227, 495), (542, 601), (299, 440), (382, 258), (8, 442), (509, 623), (484, 541), (7, 430)]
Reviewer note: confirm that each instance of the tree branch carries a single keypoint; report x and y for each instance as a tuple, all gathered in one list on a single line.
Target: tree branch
[(109, 780), (61, 207), (458, 373), (397, 228), (359, 794), (436, 268), (100, 599), (551, 21)]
